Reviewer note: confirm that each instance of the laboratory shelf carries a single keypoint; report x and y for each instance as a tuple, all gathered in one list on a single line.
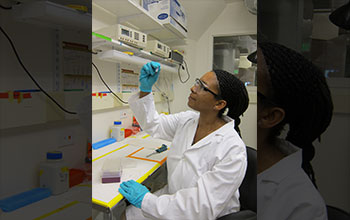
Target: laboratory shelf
[(113, 50), (133, 15), (118, 56), (53, 15)]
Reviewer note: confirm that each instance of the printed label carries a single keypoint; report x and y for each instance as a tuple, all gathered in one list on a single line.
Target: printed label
[(162, 16)]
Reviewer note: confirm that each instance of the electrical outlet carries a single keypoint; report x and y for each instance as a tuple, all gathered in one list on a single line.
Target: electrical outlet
[(64, 139), (123, 114), (68, 140)]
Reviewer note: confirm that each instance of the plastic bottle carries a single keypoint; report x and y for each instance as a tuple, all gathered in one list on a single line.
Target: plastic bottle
[(117, 131), (54, 174)]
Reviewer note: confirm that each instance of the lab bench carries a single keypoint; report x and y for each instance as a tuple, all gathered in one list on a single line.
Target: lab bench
[(132, 152)]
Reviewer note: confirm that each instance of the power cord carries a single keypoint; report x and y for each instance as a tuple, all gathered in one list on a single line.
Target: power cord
[(99, 74), (31, 77), (8, 8), (164, 95), (188, 74)]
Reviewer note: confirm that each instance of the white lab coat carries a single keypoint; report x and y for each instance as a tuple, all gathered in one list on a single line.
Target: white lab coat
[(286, 192), (203, 179)]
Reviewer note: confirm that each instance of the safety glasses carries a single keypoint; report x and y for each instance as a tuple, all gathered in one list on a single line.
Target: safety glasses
[(253, 57), (202, 86)]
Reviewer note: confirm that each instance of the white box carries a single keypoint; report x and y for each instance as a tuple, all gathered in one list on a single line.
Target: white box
[(145, 3), (176, 28), (167, 12), (131, 37), (158, 48)]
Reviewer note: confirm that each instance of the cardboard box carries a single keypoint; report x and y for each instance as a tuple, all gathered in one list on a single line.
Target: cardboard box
[(169, 13)]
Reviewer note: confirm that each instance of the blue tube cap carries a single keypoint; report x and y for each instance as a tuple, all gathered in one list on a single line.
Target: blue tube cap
[(54, 155)]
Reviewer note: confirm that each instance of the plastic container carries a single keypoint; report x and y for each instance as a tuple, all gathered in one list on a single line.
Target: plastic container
[(22, 199), (76, 176), (117, 131), (128, 132), (54, 174), (112, 171)]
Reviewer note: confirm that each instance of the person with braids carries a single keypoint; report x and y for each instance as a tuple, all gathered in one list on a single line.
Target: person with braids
[(206, 161), (291, 92)]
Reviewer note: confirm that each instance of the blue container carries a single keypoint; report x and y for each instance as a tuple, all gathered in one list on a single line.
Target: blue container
[(22, 199)]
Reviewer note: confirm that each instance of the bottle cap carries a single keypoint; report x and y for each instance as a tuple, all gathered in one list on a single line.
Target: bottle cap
[(117, 122), (54, 155)]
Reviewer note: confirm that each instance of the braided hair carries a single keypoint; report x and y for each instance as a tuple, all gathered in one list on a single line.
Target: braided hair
[(300, 88), (233, 91)]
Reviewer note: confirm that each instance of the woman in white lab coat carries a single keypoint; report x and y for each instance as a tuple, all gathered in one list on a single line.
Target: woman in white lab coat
[(292, 91), (207, 158)]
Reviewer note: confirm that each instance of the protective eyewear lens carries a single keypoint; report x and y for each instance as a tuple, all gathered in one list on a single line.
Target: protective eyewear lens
[(201, 85)]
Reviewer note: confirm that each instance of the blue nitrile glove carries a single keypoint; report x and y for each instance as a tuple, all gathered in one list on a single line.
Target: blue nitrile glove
[(133, 192), (148, 76)]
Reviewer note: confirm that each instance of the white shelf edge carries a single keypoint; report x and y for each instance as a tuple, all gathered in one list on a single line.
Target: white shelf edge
[(117, 56), (140, 55), (42, 11)]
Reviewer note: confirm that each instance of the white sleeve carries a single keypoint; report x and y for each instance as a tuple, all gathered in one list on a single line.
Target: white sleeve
[(309, 211), (204, 201), (157, 125)]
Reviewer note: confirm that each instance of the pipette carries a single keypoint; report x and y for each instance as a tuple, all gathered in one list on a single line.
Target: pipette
[(159, 150)]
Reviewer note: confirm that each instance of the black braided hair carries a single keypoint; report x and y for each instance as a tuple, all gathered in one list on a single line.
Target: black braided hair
[(233, 91), (300, 88)]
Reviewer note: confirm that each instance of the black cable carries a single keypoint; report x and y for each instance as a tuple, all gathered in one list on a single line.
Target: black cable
[(167, 100), (6, 8), (163, 94), (9, 8), (178, 71), (99, 74), (32, 78), (167, 97)]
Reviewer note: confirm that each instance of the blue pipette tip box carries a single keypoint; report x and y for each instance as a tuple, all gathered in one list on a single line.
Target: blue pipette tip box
[(22, 199)]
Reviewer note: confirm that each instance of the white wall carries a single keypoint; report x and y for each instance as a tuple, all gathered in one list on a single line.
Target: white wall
[(23, 148), (102, 120), (234, 20)]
